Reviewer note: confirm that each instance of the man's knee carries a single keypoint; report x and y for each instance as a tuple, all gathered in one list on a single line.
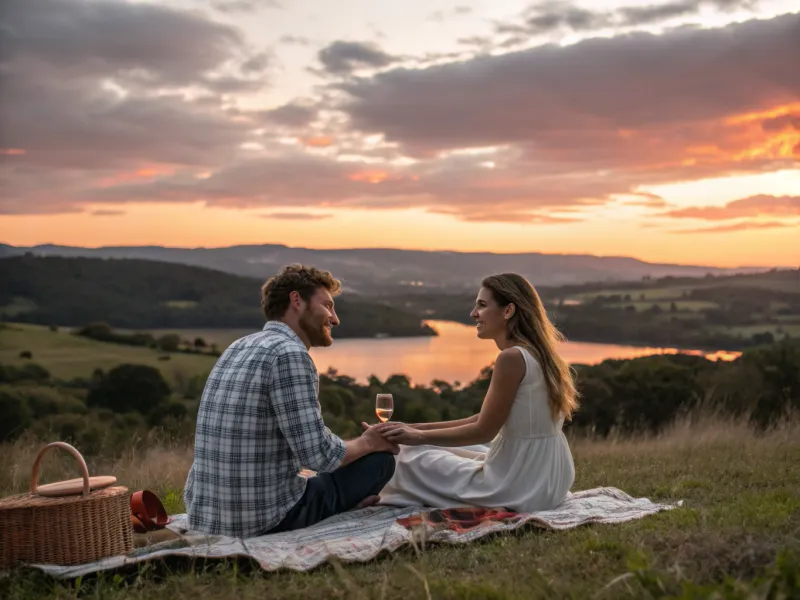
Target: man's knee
[(382, 464)]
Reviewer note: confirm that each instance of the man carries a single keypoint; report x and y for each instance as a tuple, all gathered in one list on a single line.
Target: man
[(260, 423)]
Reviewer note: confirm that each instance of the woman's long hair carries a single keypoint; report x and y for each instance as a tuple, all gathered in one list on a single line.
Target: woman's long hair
[(531, 328)]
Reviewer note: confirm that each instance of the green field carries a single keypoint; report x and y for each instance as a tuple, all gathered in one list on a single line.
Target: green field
[(680, 305), (221, 337), (66, 355), (17, 307), (741, 511), (793, 329), (774, 282), (665, 293)]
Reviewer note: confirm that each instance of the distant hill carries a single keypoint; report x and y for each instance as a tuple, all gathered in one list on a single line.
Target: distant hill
[(140, 294), (386, 270)]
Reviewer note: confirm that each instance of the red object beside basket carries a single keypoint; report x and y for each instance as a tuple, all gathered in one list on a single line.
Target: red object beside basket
[(64, 530)]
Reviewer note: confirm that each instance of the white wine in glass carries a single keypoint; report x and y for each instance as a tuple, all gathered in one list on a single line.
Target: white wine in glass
[(384, 405)]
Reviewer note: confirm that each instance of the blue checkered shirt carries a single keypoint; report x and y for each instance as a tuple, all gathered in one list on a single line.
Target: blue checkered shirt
[(258, 425)]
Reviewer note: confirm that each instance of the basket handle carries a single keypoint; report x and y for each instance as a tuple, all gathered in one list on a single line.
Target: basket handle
[(71, 450)]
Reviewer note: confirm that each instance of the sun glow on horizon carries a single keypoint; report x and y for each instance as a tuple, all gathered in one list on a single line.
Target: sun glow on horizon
[(197, 225)]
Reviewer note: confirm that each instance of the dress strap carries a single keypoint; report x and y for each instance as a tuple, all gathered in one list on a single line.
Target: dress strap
[(526, 356)]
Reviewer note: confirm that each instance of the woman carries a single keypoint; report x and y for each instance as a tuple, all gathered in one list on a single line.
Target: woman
[(529, 465)]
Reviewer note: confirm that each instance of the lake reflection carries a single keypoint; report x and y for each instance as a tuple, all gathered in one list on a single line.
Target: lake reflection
[(455, 355)]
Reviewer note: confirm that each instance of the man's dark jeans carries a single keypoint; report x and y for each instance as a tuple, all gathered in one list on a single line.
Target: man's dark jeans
[(329, 494)]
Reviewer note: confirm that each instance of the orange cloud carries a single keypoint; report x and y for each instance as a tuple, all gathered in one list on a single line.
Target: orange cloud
[(753, 206), (743, 226), (322, 141), (147, 173), (369, 176), (777, 111), (13, 151), (772, 134)]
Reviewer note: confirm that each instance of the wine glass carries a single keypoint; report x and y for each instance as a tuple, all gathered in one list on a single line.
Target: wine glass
[(384, 405)]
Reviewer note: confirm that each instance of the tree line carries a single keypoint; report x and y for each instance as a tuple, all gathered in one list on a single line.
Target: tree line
[(105, 412)]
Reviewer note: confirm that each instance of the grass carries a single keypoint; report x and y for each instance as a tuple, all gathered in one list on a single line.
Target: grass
[(742, 510), (675, 292), (17, 307), (181, 304), (67, 356), (663, 293), (681, 305), (776, 329), (221, 337)]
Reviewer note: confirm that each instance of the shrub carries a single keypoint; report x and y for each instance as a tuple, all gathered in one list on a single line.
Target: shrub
[(15, 416), (44, 400), (129, 387)]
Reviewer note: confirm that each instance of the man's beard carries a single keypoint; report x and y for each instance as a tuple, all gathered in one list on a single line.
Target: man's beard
[(315, 330)]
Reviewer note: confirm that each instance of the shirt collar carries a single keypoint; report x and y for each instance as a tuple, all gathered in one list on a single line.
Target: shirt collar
[(281, 327)]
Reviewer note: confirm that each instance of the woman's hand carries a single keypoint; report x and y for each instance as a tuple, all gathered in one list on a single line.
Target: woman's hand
[(400, 433), (377, 442)]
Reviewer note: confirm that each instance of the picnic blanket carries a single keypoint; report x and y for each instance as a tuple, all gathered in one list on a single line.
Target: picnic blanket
[(361, 535)]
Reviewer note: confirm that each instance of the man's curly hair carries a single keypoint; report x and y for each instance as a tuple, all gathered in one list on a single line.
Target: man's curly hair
[(294, 278)]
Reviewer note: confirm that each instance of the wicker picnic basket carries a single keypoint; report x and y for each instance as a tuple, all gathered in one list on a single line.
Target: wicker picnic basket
[(87, 525)]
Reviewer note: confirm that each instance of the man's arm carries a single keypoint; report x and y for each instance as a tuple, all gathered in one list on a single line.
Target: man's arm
[(356, 449), (293, 400)]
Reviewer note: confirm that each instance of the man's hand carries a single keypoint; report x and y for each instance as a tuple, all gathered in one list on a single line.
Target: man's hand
[(376, 442), (400, 433)]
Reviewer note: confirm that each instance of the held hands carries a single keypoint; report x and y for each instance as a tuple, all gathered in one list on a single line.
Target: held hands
[(400, 433), (376, 442)]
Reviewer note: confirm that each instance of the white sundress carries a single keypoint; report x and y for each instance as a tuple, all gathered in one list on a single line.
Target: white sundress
[(528, 467)]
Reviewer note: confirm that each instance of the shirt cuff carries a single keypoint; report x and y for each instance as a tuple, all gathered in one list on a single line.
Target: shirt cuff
[(336, 454)]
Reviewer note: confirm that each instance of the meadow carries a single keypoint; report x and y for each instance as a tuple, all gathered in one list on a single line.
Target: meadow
[(653, 427), (737, 535), (67, 356)]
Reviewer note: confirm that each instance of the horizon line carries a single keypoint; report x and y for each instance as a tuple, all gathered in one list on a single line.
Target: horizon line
[(420, 250)]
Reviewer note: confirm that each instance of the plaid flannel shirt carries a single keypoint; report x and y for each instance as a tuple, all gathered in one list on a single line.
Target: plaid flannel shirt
[(258, 425)]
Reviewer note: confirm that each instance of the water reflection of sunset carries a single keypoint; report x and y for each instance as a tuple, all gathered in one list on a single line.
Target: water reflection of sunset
[(455, 355)]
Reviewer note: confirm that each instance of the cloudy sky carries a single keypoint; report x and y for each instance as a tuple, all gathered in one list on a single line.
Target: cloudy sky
[(667, 131)]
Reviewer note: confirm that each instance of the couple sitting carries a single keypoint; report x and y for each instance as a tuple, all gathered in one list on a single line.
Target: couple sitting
[(260, 423)]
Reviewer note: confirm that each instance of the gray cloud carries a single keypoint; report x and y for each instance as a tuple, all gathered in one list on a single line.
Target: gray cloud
[(581, 96), (644, 15), (548, 16), (245, 6), (295, 115), (341, 58), (142, 43), (297, 40), (442, 16), (456, 185), (296, 216), (106, 213), (556, 15), (94, 85)]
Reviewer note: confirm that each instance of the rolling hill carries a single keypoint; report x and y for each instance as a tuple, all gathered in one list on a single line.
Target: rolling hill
[(379, 270), (140, 294)]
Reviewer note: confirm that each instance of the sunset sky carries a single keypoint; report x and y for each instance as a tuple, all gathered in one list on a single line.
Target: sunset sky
[(667, 131)]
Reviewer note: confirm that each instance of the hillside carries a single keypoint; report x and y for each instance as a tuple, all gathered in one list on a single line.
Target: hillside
[(68, 356), (140, 294), (389, 270), (726, 312)]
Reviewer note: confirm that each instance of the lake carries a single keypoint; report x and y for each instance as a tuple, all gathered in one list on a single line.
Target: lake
[(455, 355)]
